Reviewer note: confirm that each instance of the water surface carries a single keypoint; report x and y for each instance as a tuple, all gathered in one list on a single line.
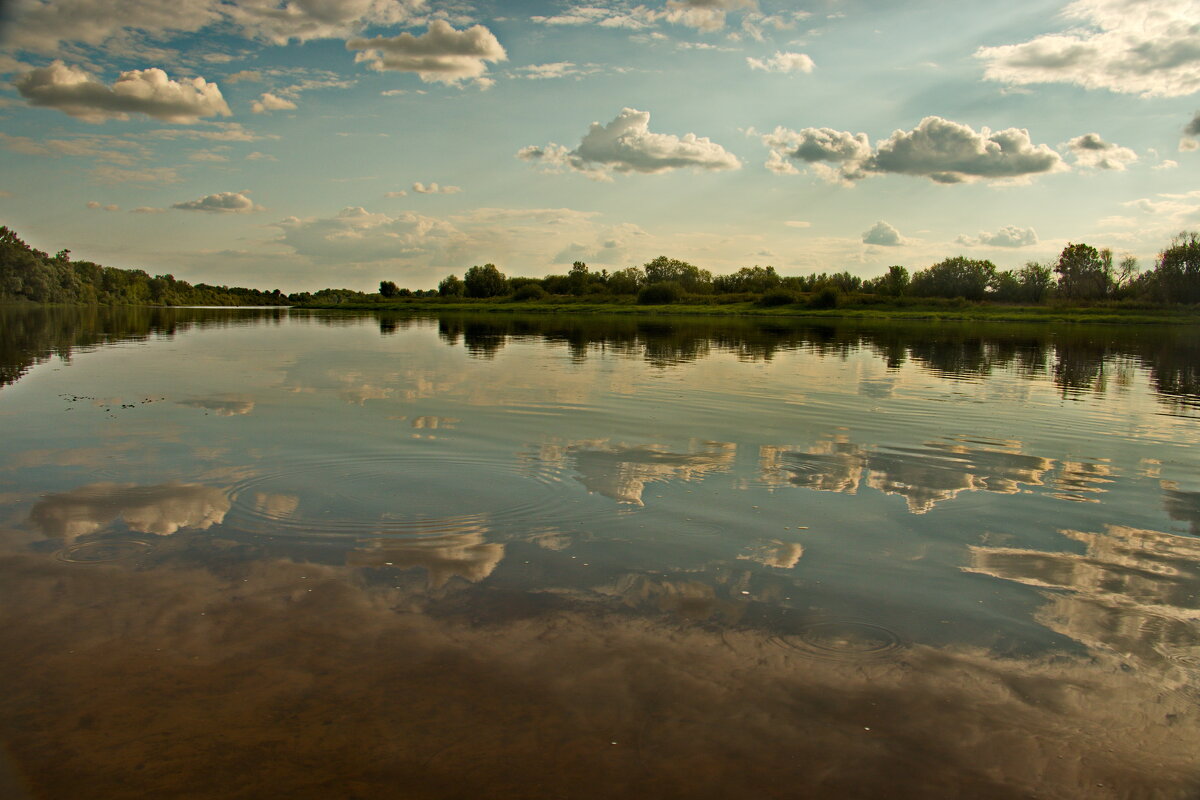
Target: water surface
[(263, 554)]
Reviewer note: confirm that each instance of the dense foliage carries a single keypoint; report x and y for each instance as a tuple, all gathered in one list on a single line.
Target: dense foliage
[(29, 274), (1081, 275)]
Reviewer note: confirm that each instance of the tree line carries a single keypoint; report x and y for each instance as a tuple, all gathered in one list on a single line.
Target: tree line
[(1081, 274), (28, 274)]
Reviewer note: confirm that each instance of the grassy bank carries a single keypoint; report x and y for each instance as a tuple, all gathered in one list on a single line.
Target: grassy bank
[(933, 311)]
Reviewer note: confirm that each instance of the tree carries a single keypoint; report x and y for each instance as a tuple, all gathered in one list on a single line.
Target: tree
[(1176, 276), (955, 277), (1036, 281), (626, 281), (672, 270), (451, 286), (1084, 273), (754, 279), (485, 281), (388, 289)]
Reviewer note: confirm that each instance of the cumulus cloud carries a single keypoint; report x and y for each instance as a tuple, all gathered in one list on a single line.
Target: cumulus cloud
[(143, 91), (1008, 236), (1144, 47), (400, 193), (442, 54), (818, 147), (627, 145), (938, 149), (783, 62), (221, 203), (270, 102), (882, 234), (92, 204), (434, 188), (948, 152), (1091, 151)]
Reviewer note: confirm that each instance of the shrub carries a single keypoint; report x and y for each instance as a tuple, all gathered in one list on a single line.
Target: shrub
[(777, 297), (828, 297), (529, 291), (660, 294)]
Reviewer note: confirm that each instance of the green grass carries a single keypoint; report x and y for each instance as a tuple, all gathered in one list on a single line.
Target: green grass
[(933, 311)]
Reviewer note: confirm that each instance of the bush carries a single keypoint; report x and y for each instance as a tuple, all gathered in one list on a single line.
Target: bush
[(828, 297), (660, 294), (777, 297), (529, 291)]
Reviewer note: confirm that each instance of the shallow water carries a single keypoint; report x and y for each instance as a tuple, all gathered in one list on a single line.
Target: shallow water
[(264, 554)]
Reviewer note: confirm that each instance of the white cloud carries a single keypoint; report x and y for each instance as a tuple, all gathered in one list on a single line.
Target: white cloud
[(818, 147), (144, 91), (147, 175), (434, 188), (208, 156), (783, 62), (251, 75), (627, 145), (103, 148), (358, 236), (632, 19), (705, 15), (882, 234), (557, 69), (101, 206), (442, 54), (938, 149), (1091, 151), (147, 210), (216, 132), (270, 102), (797, 223), (400, 193), (45, 27), (221, 203), (1166, 164), (257, 156), (306, 20), (1145, 47), (1008, 236)]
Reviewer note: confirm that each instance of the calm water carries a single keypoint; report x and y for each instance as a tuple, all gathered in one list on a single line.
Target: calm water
[(262, 554)]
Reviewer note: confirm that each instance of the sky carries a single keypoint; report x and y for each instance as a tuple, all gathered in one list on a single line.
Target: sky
[(303, 144)]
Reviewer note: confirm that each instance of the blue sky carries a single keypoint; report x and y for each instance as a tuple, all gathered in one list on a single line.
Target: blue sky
[(300, 144)]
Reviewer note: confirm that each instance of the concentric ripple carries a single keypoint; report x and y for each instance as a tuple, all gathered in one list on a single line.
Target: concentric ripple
[(401, 496), (102, 551), (843, 640)]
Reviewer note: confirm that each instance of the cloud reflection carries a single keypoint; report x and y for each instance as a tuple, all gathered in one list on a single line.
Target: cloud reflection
[(621, 471), (161, 510), (462, 554), (924, 476)]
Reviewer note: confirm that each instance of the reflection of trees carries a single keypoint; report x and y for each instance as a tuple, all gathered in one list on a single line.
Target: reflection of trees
[(462, 554), (35, 333), (924, 476), (622, 471), (160, 510), (1182, 506), (1133, 592), (1077, 358)]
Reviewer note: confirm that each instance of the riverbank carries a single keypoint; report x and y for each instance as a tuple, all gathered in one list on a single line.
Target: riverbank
[(1107, 314)]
